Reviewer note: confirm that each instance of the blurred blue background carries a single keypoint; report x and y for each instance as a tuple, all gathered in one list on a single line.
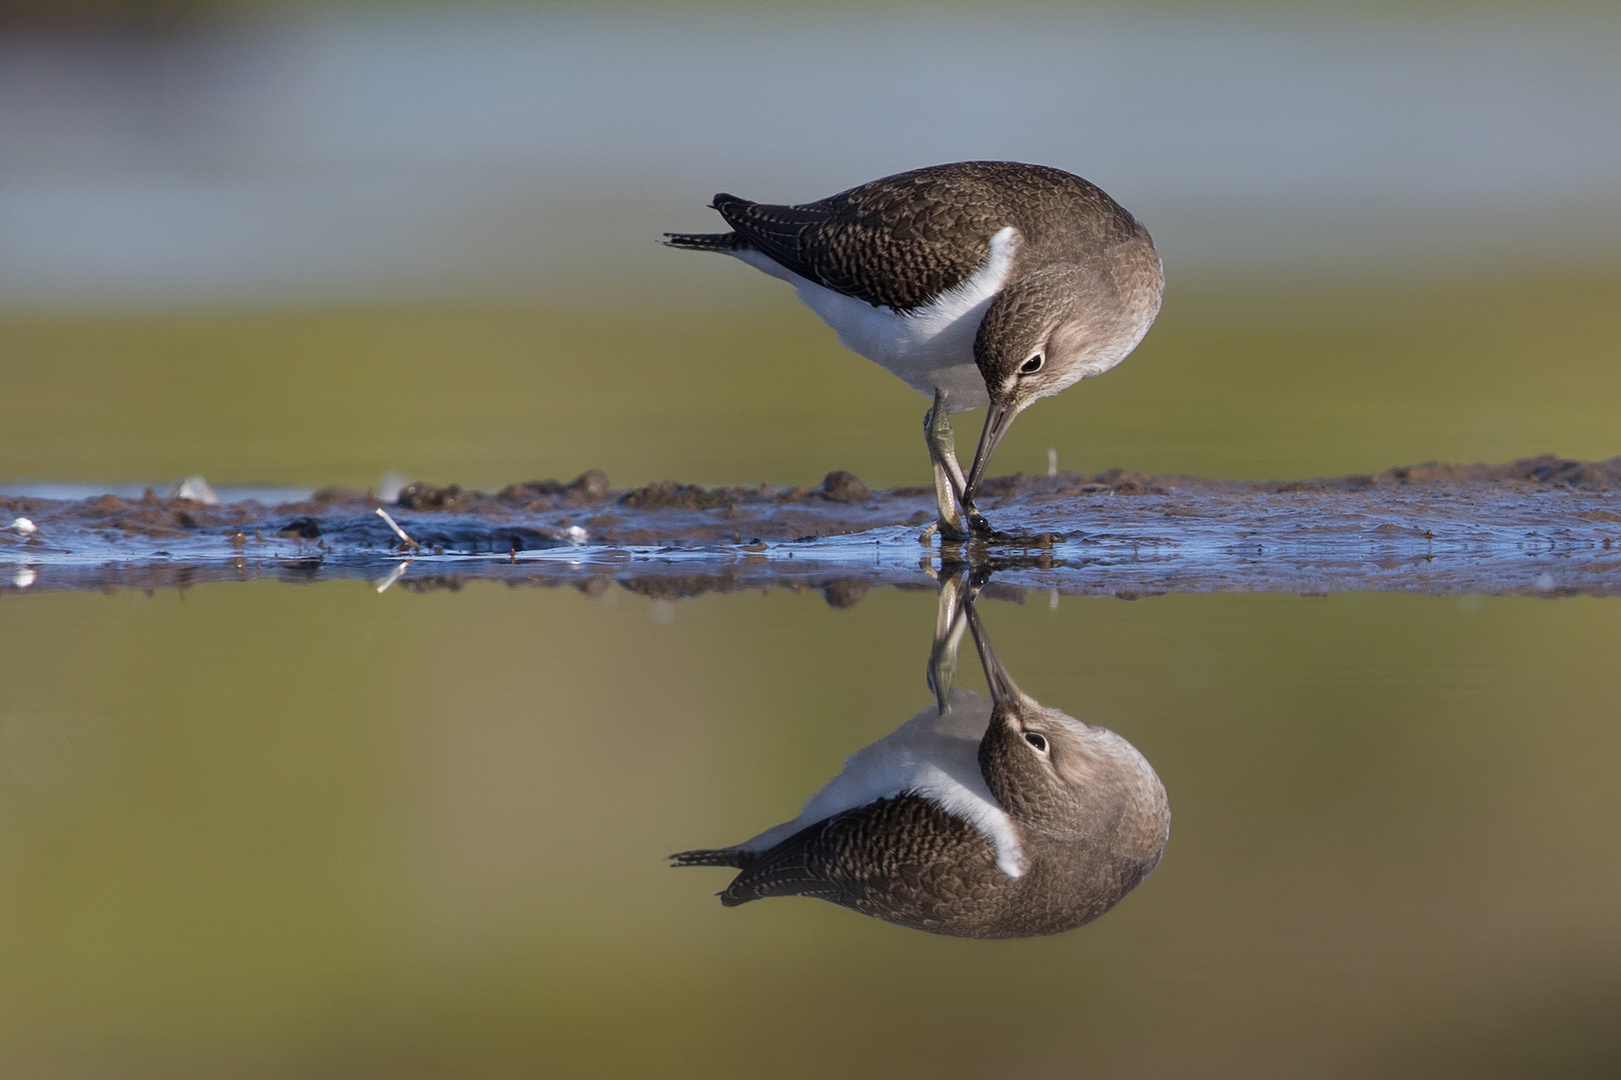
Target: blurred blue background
[(530, 152)]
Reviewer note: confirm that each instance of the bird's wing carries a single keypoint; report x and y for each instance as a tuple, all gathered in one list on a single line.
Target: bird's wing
[(897, 242)]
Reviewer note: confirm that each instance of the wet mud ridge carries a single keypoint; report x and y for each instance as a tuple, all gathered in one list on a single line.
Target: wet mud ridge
[(1545, 525)]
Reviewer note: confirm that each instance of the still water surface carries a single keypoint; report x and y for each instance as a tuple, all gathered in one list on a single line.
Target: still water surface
[(275, 831)]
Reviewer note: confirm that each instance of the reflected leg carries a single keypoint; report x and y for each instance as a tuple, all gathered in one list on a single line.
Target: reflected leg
[(949, 623)]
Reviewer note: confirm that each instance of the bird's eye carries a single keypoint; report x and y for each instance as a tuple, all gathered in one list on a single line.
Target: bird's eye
[(1037, 740), (1032, 365)]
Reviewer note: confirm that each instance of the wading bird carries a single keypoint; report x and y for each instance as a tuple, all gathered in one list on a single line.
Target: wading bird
[(979, 283)]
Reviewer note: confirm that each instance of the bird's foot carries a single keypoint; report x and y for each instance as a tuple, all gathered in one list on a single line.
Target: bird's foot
[(946, 530), (982, 534), (951, 532)]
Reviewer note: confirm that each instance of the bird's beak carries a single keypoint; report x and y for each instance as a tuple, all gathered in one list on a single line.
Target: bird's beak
[(1004, 691), (997, 420)]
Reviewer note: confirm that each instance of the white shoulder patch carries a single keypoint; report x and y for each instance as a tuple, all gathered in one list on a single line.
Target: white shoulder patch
[(935, 757)]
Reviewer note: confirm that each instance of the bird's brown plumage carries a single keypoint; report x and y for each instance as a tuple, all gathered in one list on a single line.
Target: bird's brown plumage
[(902, 240)]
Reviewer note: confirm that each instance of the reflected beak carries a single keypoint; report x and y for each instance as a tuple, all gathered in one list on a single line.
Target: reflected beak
[(1004, 691), (997, 420)]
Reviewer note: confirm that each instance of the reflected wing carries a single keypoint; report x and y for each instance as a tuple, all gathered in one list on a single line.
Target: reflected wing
[(893, 858), (831, 860)]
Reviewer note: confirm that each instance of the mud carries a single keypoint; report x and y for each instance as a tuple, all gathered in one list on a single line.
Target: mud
[(1545, 525)]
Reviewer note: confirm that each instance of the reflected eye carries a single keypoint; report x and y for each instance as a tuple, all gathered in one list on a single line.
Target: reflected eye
[(1037, 740), (1032, 365)]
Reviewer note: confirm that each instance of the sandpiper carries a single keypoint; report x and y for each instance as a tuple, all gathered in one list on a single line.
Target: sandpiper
[(979, 283), (988, 818)]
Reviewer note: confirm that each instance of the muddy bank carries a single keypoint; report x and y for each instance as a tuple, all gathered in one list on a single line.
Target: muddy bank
[(1544, 525)]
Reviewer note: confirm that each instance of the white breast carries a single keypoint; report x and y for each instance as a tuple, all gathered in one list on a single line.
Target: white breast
[(929, 347), (932, 756)]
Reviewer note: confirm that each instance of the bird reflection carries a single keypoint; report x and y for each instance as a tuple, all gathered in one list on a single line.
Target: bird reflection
[(979, 817)]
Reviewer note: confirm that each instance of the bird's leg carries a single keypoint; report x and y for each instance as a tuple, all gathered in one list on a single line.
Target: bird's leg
[(948, 478), (950, 485)]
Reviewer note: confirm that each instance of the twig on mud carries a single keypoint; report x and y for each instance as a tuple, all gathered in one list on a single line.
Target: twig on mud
[(399, 532)]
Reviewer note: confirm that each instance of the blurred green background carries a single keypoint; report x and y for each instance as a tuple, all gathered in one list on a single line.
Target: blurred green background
[(1279, 381), (273, 831), (259, 830)]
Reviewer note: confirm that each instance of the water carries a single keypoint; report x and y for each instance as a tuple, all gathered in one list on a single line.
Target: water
[(283, 831), (1543, 525)]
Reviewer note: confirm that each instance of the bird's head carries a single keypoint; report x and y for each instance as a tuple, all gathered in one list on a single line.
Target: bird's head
[(1050, 329)]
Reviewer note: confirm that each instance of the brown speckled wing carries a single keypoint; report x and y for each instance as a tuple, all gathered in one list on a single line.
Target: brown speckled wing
[(902, 240), (865, 245)]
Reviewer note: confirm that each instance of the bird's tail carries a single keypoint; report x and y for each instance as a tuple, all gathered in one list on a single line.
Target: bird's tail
[(737, 860), (704, 241)]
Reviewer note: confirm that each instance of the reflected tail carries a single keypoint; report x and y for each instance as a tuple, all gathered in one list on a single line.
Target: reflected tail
[(705, 241), (737, 860)]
